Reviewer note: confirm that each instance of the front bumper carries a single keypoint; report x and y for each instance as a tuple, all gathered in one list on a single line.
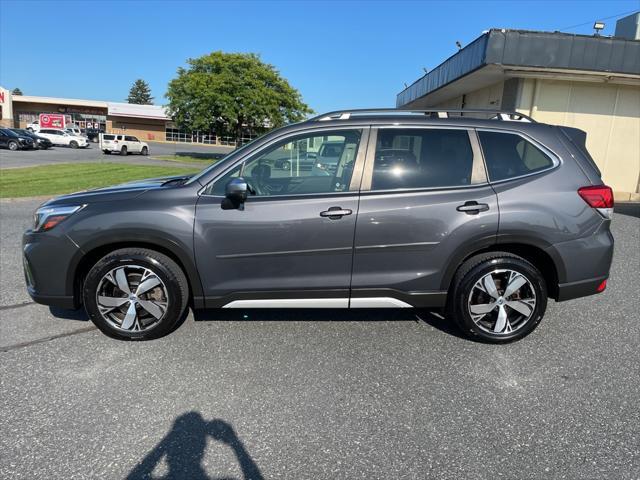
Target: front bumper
[(47, 261)]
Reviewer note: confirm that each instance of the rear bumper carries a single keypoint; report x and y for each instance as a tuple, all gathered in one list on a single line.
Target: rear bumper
[(582, 288), (584, 262)]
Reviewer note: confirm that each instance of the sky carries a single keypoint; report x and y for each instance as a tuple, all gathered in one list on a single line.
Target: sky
[(338, 54)]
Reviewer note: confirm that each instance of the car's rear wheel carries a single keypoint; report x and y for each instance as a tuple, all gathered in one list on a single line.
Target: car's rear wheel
[(73, 144), (135, 294), (145, 151), (13, 145), (106, 152), (123, 151), (497, 297)]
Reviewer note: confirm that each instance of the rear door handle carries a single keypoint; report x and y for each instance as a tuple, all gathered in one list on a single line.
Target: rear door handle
[(473, 208), (335, 213)]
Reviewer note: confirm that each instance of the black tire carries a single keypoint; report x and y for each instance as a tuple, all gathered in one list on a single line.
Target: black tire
[(144, 151), (73, 144), (123, 151), (173, 279), (473, 270), (106, 152), (13, 145)]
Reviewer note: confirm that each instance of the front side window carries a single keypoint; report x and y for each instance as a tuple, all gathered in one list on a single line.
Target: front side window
[(509, 155), (294, 166), (131, 139), (422, 158)]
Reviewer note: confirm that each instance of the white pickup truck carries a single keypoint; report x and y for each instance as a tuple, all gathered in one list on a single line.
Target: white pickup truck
[(122, 144)]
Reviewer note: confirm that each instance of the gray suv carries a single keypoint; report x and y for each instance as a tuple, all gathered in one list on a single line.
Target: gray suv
[(482, 218)]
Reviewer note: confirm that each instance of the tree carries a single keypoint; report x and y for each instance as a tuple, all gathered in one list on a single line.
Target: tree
[(224, 92), (140, 93), (16, 91)]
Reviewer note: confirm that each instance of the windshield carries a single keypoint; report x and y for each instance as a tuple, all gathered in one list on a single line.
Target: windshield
[(9, 132)]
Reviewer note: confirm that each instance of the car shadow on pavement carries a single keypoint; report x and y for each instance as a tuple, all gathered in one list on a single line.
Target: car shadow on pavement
[(184, 447), (631, 209), (432, 319)]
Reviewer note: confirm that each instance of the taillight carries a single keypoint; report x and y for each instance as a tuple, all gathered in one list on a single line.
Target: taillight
[(599, 197)]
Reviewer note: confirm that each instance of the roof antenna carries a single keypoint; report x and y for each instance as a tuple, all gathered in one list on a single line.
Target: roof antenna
[(459, 45), (426, 70)]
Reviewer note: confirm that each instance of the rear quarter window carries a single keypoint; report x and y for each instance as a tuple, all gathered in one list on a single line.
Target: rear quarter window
[(509, 155), (108, 137)]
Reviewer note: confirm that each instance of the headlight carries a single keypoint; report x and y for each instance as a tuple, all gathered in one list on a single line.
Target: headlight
[(46, 218)]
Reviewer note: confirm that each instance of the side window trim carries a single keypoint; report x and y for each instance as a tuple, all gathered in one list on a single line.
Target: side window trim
[(556, 160), (479, 172), (360, 159)]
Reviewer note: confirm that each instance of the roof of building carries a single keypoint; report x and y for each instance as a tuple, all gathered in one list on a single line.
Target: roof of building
[(117, 109), (531, 50), (140, 111), (59, 101)]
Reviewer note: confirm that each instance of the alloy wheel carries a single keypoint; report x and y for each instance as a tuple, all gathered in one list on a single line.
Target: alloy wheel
[(502, 301), (132, 298)]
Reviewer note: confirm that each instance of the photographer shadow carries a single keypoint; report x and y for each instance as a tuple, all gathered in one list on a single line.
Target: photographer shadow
[(184, 447)]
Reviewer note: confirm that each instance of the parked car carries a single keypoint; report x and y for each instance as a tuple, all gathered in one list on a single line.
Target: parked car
[(33, 126), (14, 141), (38, 141), (483, 220), (122, 144), (75, 131), (329, 155), (60, 137), (93, 134)]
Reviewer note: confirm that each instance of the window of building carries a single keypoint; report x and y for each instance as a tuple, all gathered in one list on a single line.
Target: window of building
[(509, 155), (422, 158), (293, 167)]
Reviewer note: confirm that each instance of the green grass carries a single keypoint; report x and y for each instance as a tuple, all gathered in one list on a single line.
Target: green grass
[(204, 160), (71, 177)]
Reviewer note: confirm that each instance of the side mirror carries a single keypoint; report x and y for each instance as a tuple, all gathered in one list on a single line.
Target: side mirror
[(236, 192)]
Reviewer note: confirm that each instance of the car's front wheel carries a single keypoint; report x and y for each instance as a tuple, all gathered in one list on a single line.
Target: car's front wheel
[(13, 146), (497, 297), (135, 294), (73, 144), (145, 151)]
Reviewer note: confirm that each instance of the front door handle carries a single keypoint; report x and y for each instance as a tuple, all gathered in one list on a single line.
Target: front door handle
[(336, 213), (473, 208)]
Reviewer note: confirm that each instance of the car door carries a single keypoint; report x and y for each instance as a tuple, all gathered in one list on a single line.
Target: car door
[(291, 244), (133, 144), (4, 139), (425, 203)]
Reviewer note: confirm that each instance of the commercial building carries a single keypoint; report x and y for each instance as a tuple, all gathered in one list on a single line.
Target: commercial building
[(588, 82), (148, 122)]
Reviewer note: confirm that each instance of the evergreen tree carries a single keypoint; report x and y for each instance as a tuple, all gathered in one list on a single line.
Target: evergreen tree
[(140, 93)]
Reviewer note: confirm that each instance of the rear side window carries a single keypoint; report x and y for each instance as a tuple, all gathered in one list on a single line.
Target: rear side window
[(108, 137), (422, 158), (509, 155)]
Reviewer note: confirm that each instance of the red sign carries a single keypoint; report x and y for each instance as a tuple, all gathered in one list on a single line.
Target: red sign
[(52, 120), (1, 97)]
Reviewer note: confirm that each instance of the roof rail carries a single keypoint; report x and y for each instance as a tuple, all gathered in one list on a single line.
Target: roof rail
[(435, 113)]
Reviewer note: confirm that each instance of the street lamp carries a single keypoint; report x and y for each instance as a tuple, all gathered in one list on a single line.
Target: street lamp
[(598, 26)]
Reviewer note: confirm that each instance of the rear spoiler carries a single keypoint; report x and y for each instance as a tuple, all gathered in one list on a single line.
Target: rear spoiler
[(579, 140)]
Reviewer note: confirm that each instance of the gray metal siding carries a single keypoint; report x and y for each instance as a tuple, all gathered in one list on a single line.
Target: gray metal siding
[(530, 49)]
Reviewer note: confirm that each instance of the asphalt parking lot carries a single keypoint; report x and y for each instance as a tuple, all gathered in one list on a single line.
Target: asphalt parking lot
[(31, 158), (335, 395)]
